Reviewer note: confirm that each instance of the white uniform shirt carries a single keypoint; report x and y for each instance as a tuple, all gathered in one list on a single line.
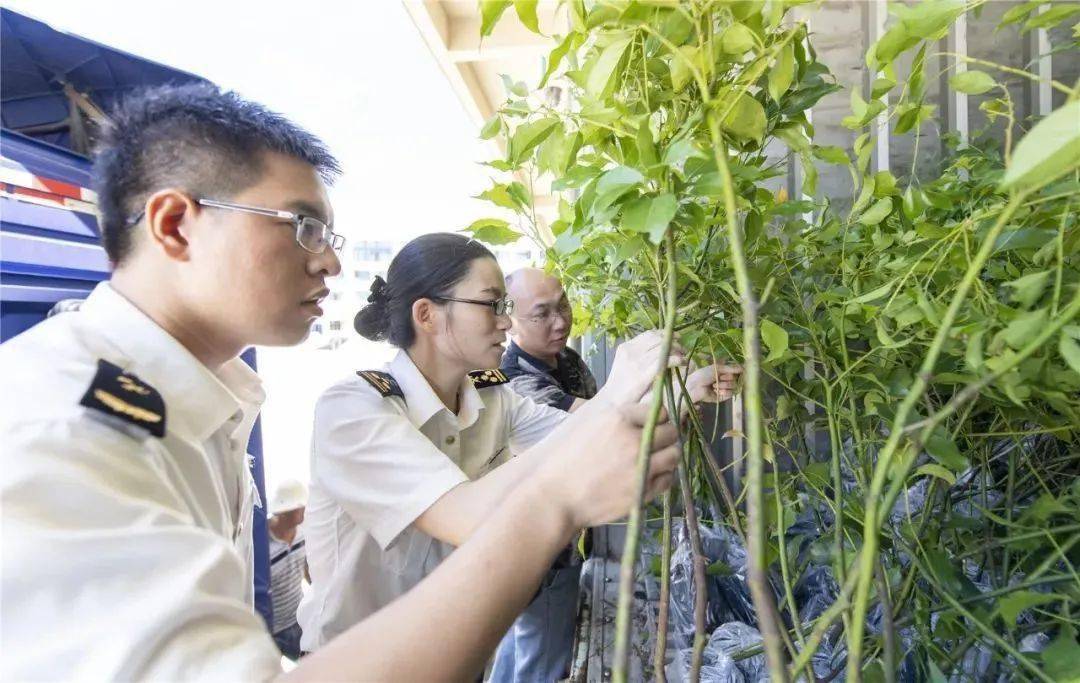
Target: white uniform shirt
[(126, 556), (378, 463)]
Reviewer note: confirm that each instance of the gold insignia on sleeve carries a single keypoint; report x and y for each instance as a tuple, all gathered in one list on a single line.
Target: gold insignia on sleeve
[(383, 382), (122, 406), (129, 384), (122, 395), (488, 378)]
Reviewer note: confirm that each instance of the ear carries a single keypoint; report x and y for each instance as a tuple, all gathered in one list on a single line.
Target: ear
[(169, 214), (425, 316)]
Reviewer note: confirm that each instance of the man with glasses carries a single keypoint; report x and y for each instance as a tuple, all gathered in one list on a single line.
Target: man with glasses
[(127, 500), (539, 364)]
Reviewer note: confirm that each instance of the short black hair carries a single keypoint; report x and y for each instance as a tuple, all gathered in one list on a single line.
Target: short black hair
[(427, 267), (195, 137)]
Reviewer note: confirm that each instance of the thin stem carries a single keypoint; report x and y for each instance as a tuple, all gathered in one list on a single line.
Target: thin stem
[(757, 576), (633, 527), (660, 654)]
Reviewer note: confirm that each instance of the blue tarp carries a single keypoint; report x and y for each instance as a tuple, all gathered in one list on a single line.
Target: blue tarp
[(37, 62)]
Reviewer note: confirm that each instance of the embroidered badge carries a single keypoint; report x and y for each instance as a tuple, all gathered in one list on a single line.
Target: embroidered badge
[(126, 397), (487, 378), (383, 383)]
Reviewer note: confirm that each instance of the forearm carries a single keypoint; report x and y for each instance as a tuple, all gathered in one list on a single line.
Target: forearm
[(465, 606)]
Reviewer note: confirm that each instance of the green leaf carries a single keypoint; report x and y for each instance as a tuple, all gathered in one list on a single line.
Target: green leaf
[(557, 55), (972, 82), (491, 128), (514, 87), (490, 12), (528, 136), (929, 20), (794, 137), (493, 231), (500, 196), (629, 249), (935, 470), (877, 213), (873, 294), (526, 11), (1029, 288), (1070, 351), (1049, 150), (1010, 606), (614, 184), (944, 450), (680, 70), (650, 215), (775, 339), (895, 41), (744, 117), (936, 675), (1052, 16), (1024, 328), (782, 73), (973, 356), (736, 39), (602, 75), (832, 155), (645, 147), (881, 86), (681, 150), (1044, 507), (1062, 657)]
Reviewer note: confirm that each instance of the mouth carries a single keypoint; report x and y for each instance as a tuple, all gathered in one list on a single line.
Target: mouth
[(313, 301)]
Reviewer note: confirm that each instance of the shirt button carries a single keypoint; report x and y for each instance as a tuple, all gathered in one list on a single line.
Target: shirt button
[(450, 440)]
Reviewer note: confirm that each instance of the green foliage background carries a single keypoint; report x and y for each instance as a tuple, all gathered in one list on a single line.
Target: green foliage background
[(924, 330)]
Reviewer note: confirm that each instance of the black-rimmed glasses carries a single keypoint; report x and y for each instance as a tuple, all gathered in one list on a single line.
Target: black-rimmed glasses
[(502, 306)]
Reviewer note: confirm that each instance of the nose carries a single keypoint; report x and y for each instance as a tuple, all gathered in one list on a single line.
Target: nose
[(560, 324), (326, 264), (503, 322)]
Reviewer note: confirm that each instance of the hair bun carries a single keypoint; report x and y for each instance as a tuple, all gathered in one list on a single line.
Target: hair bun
[(378, 291), (373, 321)]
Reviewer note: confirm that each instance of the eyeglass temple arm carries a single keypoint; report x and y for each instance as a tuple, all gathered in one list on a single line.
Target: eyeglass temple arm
[(248, 209)]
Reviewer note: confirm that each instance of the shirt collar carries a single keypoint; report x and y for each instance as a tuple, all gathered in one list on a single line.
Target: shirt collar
[(197, 401), (421, 400), (531, 359)]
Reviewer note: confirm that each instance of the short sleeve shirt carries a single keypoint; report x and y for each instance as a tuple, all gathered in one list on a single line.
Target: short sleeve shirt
[(377, 463), (126, 555)]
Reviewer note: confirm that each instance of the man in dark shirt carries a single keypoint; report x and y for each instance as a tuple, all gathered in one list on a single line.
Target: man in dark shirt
[(538, 362), (539, 646)]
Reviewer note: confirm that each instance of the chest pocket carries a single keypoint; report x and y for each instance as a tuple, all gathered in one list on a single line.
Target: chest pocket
[(500, 454)]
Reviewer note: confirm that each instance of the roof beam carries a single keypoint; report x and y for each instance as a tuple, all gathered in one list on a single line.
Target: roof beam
[(509, 40)]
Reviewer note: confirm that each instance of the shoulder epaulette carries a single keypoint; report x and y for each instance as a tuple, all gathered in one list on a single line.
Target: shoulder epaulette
[(383, 383), (488, 378), (125, 397)]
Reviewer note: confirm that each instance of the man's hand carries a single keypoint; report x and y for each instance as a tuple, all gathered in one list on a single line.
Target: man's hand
[(636, 363), (713, 384), (593, 472)]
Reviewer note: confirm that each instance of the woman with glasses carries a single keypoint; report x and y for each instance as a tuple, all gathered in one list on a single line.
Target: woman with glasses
[(407, 461)]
